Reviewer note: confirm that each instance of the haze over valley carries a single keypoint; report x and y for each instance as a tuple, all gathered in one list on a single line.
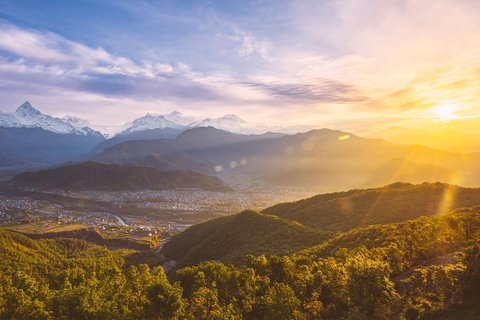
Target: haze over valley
[(240, 160)]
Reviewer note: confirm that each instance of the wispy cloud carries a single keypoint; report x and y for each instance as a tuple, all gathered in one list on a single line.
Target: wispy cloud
[(52, 49), (45, 64), (312, 61), (318, 91)]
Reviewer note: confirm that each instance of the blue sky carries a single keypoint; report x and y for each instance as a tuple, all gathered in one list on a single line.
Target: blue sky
[(335, 63)]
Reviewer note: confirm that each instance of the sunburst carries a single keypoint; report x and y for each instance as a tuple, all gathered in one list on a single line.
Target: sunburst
[(445, 112)]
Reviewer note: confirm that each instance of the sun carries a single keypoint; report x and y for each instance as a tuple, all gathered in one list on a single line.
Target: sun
[(445, 112)]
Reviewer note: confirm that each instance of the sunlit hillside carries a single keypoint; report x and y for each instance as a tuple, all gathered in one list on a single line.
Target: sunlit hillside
[(240, 160)]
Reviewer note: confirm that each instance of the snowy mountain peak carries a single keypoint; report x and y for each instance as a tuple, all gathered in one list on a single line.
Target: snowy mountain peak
[(26, 110), (149, 122), (76, 122), (228, 119), (229, 122), (27, 116), (179, 118), (233, 118)]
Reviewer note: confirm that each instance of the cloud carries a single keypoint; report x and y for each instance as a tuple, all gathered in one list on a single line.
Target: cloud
[(46, 64), (26, 77), (51, 49), (247, 44), (300, 59), (318, 91)]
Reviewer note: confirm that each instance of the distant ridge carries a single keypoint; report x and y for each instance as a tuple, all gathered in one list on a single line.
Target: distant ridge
[(325, 158), (397, 202), (93, 175), (452, 141), (171, 162)]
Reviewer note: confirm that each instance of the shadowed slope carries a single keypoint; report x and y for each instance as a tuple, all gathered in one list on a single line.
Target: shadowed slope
[(95, 175)]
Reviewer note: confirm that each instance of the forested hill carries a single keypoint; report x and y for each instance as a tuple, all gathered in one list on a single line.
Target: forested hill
[(230, 239), (396, 202), (94, 175), (353, 276), (310, 222)]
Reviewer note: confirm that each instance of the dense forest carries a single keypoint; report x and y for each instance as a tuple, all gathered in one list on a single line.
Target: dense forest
[(426, 268), (229, 239)]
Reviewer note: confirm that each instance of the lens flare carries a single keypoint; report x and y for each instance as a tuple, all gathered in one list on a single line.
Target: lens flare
[(288, 150)]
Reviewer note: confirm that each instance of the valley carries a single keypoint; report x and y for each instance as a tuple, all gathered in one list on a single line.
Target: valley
[(239, 160), (117, 213)]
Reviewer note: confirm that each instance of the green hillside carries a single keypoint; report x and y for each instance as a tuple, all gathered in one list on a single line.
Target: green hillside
[(367, 273), (268, 268), (289, 227), (342, 211), (230, 239)]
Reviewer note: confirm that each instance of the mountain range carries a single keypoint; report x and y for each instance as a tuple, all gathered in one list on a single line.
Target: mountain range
[(329, 159), (452, 141), (27, 116), (31, 138), (325, 158)]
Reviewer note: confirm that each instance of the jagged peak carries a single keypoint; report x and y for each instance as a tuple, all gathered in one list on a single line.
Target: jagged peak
[(150, 114), (229, 117), (233, 117), (75, 120), (27, 109)]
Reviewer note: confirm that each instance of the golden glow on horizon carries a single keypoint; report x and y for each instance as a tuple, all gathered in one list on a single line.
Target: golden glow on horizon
[(445, 112)]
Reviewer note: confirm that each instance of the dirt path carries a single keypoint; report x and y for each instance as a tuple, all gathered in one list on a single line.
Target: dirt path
[(168, 266)]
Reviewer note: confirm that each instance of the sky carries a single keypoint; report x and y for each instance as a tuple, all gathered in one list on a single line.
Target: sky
[(351, 65)]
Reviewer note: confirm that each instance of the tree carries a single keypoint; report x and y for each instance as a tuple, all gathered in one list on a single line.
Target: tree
[(165, 299), (281, 302), (368, 284)]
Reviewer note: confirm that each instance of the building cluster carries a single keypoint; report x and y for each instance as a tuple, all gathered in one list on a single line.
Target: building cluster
[(173, 204)]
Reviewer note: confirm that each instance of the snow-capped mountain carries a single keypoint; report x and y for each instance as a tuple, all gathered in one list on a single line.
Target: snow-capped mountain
[(178, 118), (151, 121), (82, 125), (27, 116), (76, 122), (230, 122)]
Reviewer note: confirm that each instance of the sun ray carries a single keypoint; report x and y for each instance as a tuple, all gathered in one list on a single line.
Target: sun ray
[(395, 175)]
